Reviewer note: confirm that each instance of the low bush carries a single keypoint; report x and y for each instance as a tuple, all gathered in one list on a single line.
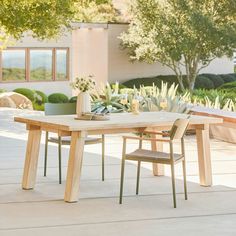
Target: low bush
[(216, 79), (38, 107), (149, 81), (30, 94), (231, 85), (58, 98), (202, 82), (228, 78), (40, 97), (211, 81), (73, 99)]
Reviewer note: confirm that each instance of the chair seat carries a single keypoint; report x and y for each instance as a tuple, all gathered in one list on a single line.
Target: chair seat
[(67, 140), (152, 156)]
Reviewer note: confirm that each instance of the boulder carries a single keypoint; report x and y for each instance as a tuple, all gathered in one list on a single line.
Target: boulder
[(5, 101), (15, 100)]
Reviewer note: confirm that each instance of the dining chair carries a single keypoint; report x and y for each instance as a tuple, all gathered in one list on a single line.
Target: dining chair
[(177, 132), (67, 109)]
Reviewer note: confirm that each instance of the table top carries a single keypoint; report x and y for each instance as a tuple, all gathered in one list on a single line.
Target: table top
[(119, 120)]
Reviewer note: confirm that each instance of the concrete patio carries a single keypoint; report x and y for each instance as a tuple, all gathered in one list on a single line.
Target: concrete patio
[(42, 211)]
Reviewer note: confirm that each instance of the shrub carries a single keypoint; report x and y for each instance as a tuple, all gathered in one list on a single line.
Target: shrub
[(216, 79), (58, 98), (121, 86), (228, 78), (73, 99), (40, 97), (230, 86), (149, 81), (30, 94), (203, 82), (38, 107)]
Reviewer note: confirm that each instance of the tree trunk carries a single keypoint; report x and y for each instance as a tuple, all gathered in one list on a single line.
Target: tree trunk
[(191, 75), (180, 80)]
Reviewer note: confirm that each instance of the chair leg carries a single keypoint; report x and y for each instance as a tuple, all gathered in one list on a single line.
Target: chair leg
[(103, 157), (173, 184), (122, 179), (59, 158), (185, 180), (45, 155), (138, 177)]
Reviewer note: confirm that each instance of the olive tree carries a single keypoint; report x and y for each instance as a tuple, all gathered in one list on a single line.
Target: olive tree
[(43, 18), (184, 35)]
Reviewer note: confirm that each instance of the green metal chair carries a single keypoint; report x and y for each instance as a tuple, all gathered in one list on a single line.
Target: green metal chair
[(141, 155), (67, 109)]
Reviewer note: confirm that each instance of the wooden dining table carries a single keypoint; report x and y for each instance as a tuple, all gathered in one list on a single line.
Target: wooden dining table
[(118, 123)]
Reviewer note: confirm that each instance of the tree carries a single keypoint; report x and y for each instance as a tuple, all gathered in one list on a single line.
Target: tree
[(185, 35), (44, 18), (98, 11)]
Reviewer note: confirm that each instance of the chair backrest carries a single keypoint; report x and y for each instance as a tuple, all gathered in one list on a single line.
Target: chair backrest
[(179, 128), (60, 109)]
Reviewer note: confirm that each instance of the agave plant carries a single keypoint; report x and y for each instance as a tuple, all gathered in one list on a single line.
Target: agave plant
[(173, 102), (108, 102)]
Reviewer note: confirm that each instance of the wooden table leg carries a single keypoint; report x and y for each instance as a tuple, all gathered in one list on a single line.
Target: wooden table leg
[(31, 158), (158, 169), (74, 166), (204, 156)]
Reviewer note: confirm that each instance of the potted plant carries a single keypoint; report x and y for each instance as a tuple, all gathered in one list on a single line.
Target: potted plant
[(85, 85)]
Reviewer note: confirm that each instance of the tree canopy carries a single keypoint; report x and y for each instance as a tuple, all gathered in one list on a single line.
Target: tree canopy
[(44, 18), (97, 11), (185, 35)]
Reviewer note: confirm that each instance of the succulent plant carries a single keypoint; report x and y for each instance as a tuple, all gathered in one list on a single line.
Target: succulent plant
[(164, 99), (108, 102)]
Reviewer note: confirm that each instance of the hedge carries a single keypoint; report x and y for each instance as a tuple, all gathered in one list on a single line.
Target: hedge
[(149, 81), (210, 81), (41, 97), (58, 98), (216, 79), (30, 94)]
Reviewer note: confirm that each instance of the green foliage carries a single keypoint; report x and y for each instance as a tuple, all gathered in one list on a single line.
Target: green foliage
[(38, 107), (216, 79), (95, 11), (40, 97), (108, 102), (58, 98), (73, 99), (228, 78), (30, 94), (149, 81), (218, 99), (203, 82), (181, 33), (163, 99), (230, 86), (45, 19)]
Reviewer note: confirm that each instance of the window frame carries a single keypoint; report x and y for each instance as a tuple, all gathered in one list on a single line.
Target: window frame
[(27, 64)]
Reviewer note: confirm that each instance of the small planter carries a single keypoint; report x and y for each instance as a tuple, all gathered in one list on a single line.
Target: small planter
[(83, 103), (60, 108)]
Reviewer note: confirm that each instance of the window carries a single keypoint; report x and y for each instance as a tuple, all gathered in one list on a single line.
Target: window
[(13, 65), (34, 64), (40, 65), (61, 64)]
